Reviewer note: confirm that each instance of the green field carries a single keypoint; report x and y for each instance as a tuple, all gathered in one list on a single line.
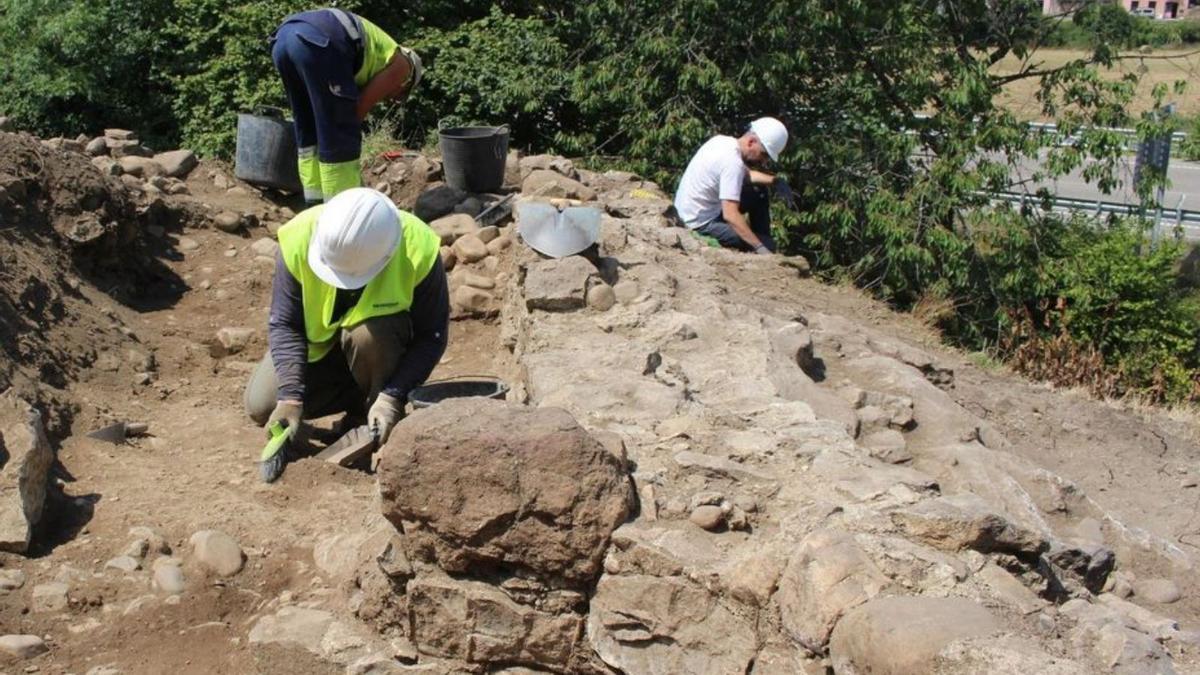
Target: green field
[(1166, 66)]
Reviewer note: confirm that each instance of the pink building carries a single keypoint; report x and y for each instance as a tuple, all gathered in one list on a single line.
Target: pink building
[(1159, 9)]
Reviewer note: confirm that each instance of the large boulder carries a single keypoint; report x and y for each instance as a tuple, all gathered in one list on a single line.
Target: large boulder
[(661, 625), (478, 485), (558, 285), (828, 576), (477, 622), (25, 470), (965, 521), (176, 163), (437, 201), (904, 635)]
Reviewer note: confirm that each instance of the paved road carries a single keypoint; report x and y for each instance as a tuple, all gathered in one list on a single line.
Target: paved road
[(1184, 186), (1183, 193)]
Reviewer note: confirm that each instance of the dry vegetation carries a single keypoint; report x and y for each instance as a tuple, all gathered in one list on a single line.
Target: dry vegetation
[(1160, 66)]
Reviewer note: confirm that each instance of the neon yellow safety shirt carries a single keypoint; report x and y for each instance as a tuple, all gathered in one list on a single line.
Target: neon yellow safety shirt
[(378, 50), (390, 292)]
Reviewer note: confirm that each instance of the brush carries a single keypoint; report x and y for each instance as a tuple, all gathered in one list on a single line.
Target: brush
[(275, 453)]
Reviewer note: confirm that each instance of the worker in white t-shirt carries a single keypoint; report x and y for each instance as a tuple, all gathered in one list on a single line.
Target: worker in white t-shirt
[(723, 193)]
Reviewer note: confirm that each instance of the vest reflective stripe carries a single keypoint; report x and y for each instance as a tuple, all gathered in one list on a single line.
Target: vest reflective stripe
[(390, 292), (350, 23)]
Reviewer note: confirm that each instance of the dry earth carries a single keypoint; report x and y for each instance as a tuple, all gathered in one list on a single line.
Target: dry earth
[(819, 485)]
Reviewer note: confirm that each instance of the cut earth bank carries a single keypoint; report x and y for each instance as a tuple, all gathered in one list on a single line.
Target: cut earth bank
[(708, 463)]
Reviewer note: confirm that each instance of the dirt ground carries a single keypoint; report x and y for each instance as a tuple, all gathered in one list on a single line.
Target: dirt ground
[(196, 469)]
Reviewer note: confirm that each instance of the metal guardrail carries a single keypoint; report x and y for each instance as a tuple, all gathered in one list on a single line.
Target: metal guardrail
[(1178, 215), (1130, 134)]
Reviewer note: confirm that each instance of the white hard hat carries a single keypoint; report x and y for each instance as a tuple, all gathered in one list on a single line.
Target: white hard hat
[(772, 133), (355, 237)]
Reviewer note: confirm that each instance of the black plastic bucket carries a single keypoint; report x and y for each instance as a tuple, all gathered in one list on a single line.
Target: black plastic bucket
[(266, 150), (473, 157), (436, 392)]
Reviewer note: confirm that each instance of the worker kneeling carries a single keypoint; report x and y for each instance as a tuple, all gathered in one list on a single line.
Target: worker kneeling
[(359, 314), (723, 193)]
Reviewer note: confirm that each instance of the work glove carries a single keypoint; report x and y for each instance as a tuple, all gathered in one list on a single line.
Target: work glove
[(785, 192), (762, 250), (385, 412), (289, 412)]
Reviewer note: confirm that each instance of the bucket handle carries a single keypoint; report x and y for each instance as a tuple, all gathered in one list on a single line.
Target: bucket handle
[(269, 111), (496, 146)]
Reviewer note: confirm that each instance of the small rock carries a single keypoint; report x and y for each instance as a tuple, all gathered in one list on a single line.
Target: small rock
[(154, 539), (738, 520), (50, 597), (470, 249), (141, 167), (124, 563), (499, 244), (103, 670), (470, 206), (451, 227), (168, 576), (137, 549), (707, 517), (177, 163), (600, 297), (266, 247), (218, 551), (107, 166), (23, 646), (487, 234), (478, 281), (1158, 591), (188, 244), (11, 580), (120, 134), (228, 221), (550, 184), (6, 123), (449, 259), (472, 300), (96, 147), (887, 445), (626, 291), (220, 181), (234, 340)]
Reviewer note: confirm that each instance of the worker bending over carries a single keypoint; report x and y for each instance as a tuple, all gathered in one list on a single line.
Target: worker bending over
[(724, 191), (359, 313), (335, 67)]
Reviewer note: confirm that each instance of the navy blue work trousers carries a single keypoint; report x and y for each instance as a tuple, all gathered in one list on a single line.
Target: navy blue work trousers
[(316, 61), (756, 204)]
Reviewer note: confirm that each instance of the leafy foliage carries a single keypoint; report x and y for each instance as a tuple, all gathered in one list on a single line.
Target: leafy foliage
[(63, 73)]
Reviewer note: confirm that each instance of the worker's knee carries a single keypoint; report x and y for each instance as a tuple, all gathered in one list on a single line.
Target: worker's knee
[(374, 347), (259, 397)]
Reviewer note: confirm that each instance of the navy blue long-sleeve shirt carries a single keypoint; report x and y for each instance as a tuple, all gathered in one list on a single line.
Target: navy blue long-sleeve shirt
[(430, 315)]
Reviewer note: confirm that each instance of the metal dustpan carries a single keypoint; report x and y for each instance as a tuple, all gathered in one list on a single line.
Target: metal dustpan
[(354, 445), (558, 233)]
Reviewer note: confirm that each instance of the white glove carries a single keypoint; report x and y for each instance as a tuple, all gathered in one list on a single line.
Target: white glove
[(385, 412)]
